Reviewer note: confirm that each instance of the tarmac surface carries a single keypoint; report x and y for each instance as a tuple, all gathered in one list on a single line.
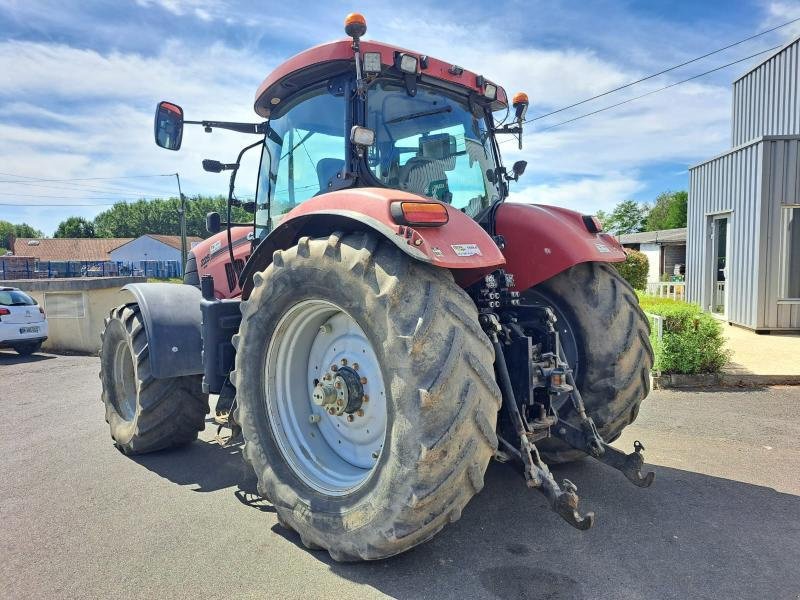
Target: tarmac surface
[(80, 520)]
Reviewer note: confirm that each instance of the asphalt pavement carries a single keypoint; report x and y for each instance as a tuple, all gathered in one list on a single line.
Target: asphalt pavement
[(80, 520)]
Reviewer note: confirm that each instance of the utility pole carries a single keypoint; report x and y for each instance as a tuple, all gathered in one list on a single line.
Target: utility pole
[(182, 212)]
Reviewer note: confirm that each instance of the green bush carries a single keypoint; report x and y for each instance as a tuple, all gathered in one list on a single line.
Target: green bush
[(692, 340), (634, 269)]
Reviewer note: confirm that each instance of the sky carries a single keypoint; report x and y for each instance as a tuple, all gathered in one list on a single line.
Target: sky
[(79, 82)]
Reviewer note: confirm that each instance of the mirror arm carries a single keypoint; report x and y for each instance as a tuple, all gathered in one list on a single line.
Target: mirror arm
[(254, 128)]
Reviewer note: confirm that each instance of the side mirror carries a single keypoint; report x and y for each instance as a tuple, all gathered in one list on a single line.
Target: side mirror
[(518, 168), (169, 125), (213, 224)]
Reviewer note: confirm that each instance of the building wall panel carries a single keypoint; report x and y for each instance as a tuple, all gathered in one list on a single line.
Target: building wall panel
[(766, 101), (727, 184)]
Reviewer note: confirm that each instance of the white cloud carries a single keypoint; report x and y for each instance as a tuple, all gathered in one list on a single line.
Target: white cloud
[(587, 195)]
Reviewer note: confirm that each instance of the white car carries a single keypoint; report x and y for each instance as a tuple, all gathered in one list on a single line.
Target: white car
[(23, 324)]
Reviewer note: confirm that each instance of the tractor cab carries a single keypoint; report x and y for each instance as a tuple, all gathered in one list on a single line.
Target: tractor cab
[(353, 113)]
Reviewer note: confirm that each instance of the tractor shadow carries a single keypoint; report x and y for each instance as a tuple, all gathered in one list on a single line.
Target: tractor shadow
[(207, 467), (690, 535)]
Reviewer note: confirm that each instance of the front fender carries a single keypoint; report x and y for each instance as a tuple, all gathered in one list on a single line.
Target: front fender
[(541, 241), (462, 246), (172, 322)]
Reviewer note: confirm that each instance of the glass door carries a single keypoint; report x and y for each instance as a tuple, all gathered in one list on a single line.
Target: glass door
[(719, 265)]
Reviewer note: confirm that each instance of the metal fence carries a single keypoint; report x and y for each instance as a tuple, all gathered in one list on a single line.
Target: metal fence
[(13, 268)]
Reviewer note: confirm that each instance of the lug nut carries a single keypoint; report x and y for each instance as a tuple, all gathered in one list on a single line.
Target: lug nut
[(350, 418), (365, 398), (363, 381), (331, 411), (338, 385), (334, 368), (344, 362), (360, 412), (355, 366)]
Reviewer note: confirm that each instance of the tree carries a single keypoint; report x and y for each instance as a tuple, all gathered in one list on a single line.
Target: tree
[(23, 230), (634, 269), (627, 217), (75, 227), (162, 216), (668, 212)]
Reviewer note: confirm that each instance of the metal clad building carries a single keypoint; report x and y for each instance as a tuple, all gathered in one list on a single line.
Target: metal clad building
[(743, 241), (765, 100)]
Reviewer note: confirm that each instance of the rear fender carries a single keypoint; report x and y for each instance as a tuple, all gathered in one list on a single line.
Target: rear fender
[(542, 241), (172, 321), (461, 245)]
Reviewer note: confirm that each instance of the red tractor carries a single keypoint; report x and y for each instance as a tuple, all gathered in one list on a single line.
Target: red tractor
[(386, 324)]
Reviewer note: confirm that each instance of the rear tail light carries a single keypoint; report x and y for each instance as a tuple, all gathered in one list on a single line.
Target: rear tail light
[(420, 214), (4, 311), (41, 310), (592, 223)]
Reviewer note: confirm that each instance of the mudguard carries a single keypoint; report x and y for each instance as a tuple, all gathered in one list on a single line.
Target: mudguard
[(172, 321), (461, 245), (541, 241)]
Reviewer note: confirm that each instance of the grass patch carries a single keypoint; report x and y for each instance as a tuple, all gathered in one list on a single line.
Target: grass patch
[(164, 280)]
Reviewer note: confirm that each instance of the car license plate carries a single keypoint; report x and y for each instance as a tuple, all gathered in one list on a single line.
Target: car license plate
[(29, 330)]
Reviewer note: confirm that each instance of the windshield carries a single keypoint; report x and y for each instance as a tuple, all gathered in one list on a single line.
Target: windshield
[(430, 144), (15, 298), (309, 155)]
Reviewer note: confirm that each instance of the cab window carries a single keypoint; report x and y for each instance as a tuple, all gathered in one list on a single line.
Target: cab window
[(310, 153)]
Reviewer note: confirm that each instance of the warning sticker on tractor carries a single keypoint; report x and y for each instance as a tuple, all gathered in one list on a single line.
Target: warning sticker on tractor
[(602, 247), (466, 249)]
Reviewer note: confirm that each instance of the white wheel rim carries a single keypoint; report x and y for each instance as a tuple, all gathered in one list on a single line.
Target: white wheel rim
[(334, 454)]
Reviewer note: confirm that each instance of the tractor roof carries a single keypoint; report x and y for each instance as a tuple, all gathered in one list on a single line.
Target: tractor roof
[(327, 60)]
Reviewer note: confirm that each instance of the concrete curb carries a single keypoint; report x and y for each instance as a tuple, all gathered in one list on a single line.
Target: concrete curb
[(706, 380)]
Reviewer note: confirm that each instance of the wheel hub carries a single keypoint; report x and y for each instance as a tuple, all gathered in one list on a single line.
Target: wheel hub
[(325, 396), (340, 390)]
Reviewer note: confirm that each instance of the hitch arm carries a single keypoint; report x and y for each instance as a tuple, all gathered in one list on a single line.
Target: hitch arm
[(537, 475), (629, 465)]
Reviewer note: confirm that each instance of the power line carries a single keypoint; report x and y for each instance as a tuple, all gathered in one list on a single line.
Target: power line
[(52, 205), (666, 87), (130, 196), (667, 70), (81, 178)]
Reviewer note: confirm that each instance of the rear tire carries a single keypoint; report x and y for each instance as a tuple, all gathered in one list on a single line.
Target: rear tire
[(610, 349), (439, 397), (28, 348), (145, 414)]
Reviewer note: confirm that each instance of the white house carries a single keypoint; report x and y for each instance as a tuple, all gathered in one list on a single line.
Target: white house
[(152, 247), (665, 251)]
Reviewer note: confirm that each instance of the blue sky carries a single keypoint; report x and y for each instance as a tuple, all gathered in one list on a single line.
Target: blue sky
[(79, 82)]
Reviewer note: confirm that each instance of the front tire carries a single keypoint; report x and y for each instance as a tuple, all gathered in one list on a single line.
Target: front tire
[(605, 336), (145, 414), (426, 364)]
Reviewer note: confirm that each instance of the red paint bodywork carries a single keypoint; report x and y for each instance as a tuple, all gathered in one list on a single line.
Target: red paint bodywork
[(434, 245), (542, 241), (214, 263), (341, 50)]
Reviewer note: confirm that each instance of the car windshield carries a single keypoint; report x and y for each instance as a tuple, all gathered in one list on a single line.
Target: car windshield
[(15, 298), (430, 144)]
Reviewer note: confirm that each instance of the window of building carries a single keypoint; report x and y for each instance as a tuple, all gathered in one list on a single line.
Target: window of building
[(790, 253)]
